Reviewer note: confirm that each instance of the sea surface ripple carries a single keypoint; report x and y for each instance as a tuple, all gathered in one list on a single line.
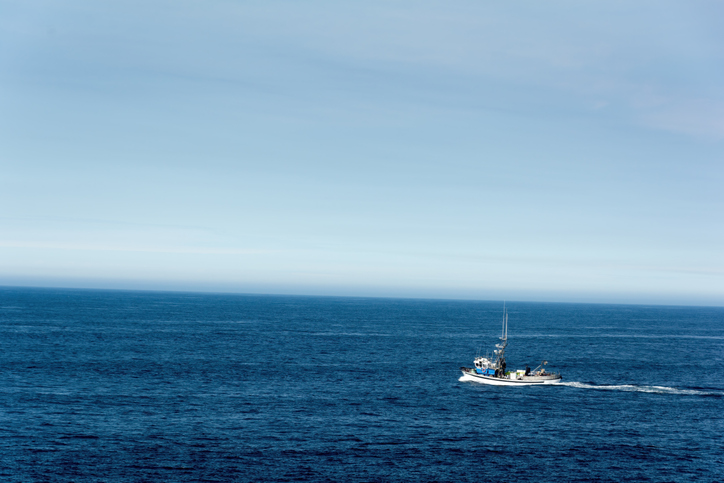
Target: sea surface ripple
[(149, 386)]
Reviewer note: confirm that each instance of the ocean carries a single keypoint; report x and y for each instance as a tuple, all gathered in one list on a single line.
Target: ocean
[(151, 386)]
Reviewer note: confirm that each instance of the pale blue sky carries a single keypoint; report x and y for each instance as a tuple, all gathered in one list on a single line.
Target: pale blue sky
[(568, 151)]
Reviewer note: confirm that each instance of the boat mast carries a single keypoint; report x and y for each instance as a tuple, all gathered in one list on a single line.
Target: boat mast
[(504, 335), (500, 352), (506, 327)]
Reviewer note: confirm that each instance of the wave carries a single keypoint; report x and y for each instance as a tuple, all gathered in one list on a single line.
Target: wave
[(649, 389)]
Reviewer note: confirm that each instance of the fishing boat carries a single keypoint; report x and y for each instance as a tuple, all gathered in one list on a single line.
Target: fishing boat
[(492, 369)]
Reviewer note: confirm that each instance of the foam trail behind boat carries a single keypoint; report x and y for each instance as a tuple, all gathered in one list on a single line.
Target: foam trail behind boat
[(650, 389)]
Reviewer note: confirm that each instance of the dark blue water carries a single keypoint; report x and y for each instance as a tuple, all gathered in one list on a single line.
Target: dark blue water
[(140, 386)]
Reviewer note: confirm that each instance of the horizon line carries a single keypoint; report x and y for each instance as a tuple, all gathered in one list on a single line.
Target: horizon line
[(346, 296)]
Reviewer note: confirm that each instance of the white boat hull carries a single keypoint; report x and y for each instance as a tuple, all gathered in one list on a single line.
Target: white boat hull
[(499, 381)]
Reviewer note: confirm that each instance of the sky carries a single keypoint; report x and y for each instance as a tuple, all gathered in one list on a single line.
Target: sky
[(551, 151)]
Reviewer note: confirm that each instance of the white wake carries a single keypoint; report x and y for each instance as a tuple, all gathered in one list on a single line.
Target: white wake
[(634, 388)]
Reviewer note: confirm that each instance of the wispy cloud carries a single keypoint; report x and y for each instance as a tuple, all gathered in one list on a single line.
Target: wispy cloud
[(134, 248), (696, 117)]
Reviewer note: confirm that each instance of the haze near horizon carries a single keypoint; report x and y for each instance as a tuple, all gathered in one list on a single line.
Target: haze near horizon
[(528, 151)]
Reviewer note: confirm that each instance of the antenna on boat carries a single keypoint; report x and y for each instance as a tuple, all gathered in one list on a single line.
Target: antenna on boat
[(503, 334), (505, 323)]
